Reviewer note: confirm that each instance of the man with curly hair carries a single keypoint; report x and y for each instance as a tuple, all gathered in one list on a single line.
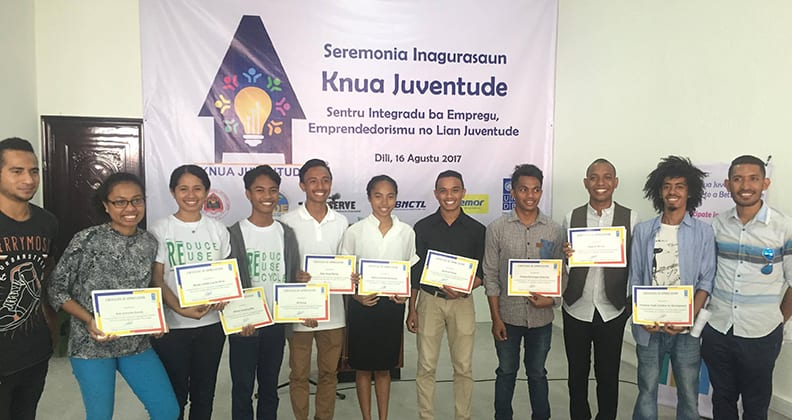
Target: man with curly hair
[(670, 250)]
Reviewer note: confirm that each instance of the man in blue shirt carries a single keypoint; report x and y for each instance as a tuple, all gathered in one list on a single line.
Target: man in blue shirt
[(752, 296), (670, 250)]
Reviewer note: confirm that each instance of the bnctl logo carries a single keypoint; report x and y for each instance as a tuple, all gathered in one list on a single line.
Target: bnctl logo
[(508, 200), (410, 205)]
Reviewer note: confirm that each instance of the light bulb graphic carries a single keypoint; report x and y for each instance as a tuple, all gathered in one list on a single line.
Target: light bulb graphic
[(252, 106)]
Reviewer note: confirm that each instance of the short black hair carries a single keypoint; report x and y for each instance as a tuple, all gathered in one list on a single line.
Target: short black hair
[(527, 169), (748, 160), (600, 161), (261, 170), (312, 163), (450, 174), (675, 167), (374, 180), (195, 170), (14, 143), (103, 192)]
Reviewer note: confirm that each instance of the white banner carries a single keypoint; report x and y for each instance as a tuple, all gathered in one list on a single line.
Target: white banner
[(406, 88)]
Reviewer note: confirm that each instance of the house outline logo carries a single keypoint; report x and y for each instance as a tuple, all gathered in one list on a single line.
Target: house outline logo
[(251, 98)]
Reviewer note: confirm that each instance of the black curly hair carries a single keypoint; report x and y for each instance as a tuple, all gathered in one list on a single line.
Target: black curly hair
[(675, 167)]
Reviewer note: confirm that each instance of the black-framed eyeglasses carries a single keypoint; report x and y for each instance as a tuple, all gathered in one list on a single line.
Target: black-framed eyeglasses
[(769, 254), (136, 202)]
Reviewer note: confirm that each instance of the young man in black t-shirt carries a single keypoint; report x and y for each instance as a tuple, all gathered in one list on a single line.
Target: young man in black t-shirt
[(26, 235)]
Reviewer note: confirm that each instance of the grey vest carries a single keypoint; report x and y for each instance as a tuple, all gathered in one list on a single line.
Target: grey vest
[(615, 278)]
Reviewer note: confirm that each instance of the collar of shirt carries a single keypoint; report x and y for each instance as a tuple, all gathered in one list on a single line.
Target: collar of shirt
[(329, 216), (657, 221), (762, 216), (462, 220), (374, 221), (605, 212), (540, 218)]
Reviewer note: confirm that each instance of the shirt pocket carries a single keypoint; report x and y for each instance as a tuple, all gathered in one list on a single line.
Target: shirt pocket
[(546, 251)]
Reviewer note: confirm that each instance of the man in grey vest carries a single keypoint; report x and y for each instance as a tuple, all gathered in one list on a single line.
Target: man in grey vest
[(595, 301)]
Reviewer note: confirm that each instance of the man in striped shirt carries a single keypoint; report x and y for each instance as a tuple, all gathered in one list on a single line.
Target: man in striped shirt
[(751, 298)]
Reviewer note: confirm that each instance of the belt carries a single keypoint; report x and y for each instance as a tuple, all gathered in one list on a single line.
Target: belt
[(437, 292)]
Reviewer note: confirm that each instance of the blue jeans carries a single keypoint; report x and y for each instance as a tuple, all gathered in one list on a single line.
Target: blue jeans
[(685, 363), (144, 374), (537, 346), (252, 359)]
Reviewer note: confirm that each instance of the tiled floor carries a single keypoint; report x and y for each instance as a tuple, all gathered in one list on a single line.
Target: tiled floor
[(61, 399)]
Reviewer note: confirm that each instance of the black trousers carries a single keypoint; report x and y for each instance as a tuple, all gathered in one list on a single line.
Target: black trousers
[(606, 338), (740, 366), (191, 357), (20, 392)]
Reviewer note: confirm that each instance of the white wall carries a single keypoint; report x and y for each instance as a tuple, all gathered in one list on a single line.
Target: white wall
[(18, 73), (88, 58), (636, 80)]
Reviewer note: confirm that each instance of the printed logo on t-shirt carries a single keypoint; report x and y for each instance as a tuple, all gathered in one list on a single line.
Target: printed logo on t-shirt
[(20, 278), (266, 266), (187, 252)]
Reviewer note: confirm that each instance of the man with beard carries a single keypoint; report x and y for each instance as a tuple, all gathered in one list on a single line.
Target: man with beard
[(751, 298), (26, 233), (673, 249)]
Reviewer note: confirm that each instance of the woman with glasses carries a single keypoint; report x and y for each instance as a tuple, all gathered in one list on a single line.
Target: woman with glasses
[(375, 322), (191, 350), (113, 255)]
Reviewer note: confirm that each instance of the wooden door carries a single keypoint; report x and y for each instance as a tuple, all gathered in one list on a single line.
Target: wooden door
[(79, 153)]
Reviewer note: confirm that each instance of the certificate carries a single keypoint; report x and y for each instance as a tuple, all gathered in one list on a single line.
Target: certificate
[(335, 270), (209, 282), (541, 277), (379, 277), (672, 305), (452, 271), (250, 310), (129, 311), (601, 247), (295, 302)]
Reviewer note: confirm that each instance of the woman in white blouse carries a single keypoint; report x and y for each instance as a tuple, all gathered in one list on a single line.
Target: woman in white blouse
[(375, 323)]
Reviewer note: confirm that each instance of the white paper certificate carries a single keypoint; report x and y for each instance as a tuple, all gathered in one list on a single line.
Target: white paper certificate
[(295, 302), (206, 283), (335, 270), (541, 277), (380, 277), (600, 246), (455, 272), (250, 310), (129, 311), (672, 305)]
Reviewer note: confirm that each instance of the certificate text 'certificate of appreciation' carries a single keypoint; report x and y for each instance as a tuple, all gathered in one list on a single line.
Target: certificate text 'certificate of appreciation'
[(295, 302), (335, 270), (598, 246), (129, 311), (250, 310), (672, 305), (455, 272), (529, 277), (379, 277), (206, 283)]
